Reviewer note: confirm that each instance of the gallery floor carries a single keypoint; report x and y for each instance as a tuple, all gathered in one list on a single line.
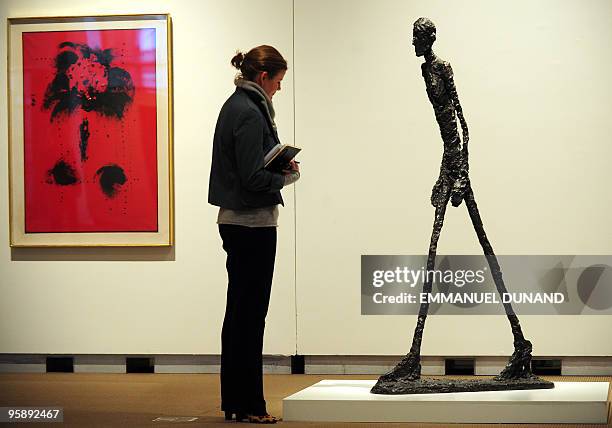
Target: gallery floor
[(135, 400)]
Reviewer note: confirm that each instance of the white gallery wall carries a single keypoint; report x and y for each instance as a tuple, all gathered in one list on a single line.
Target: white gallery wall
[(130, 301), (533, 79)]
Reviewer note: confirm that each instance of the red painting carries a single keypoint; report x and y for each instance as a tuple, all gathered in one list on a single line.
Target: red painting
[(90, 131)]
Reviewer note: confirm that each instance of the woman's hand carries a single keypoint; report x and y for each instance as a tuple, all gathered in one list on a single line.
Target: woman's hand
[(292, 174), (293, 166)]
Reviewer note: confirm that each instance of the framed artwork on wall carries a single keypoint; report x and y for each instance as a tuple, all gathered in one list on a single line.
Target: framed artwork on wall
[(90, 131)]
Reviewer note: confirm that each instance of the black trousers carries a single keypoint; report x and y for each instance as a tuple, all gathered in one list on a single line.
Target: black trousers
[(250, 265)]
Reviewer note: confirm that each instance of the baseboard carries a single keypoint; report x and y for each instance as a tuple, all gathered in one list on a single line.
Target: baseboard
[(280, 364)]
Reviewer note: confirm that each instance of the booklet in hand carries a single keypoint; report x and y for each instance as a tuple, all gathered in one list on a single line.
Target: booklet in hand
[(279, 157)]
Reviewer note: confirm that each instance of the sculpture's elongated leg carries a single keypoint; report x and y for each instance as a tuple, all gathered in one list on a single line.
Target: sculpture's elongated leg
[(520, 362), (410, 366)]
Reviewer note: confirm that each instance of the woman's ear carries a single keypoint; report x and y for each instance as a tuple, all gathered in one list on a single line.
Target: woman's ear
[(259, 79)]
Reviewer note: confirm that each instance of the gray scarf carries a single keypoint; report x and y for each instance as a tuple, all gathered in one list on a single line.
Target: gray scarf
[(254, 88)]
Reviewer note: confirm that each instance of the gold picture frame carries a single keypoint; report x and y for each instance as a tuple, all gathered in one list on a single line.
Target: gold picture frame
[(90, 131)]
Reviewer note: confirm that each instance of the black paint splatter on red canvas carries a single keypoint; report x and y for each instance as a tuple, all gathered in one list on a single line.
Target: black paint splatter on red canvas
[(86, 78), (90, 131)]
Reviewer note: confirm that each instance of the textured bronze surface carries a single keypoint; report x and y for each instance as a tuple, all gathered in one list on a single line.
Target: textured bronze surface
[(453, 185), (439, 386)]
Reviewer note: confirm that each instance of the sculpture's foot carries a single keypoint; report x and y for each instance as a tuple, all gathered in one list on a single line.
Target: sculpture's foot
[(519, 366), (405, 378), (407, 370)]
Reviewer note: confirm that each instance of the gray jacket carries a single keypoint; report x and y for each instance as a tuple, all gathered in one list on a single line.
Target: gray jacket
[(244, 133)]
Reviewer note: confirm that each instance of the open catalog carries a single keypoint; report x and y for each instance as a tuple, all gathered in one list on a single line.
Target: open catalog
[(278, 158)]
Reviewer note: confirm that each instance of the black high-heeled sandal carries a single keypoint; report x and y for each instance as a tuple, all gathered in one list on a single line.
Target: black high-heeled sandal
[(262, 419)]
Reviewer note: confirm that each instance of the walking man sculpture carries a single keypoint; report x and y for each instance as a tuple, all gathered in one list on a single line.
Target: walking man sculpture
[(454, 184)]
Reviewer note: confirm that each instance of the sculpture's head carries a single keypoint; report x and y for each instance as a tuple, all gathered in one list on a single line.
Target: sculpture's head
[(423, 36)]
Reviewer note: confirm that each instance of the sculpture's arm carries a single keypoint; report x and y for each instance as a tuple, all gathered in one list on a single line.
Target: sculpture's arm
[(450, 84)]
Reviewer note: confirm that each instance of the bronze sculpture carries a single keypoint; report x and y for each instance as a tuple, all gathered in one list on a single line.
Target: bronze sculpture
[(454, 184)]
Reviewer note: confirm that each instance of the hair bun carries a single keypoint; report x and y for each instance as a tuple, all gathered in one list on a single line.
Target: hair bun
[(238, 59)]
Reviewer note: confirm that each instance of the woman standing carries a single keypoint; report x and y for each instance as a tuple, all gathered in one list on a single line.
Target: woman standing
[(248, 196)]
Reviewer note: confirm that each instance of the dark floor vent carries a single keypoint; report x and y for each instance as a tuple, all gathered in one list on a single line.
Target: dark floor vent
[(139, 365), (297, 364), (546, 367), (459, 366), (60, 364)]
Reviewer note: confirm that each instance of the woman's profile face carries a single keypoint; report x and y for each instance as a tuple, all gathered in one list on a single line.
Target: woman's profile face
[(271, 84)]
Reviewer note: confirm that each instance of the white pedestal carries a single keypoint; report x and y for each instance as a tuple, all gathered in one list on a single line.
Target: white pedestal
[(351, 401)]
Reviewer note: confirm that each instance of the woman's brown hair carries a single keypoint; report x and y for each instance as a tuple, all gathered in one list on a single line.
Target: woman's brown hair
[(262, 58)]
